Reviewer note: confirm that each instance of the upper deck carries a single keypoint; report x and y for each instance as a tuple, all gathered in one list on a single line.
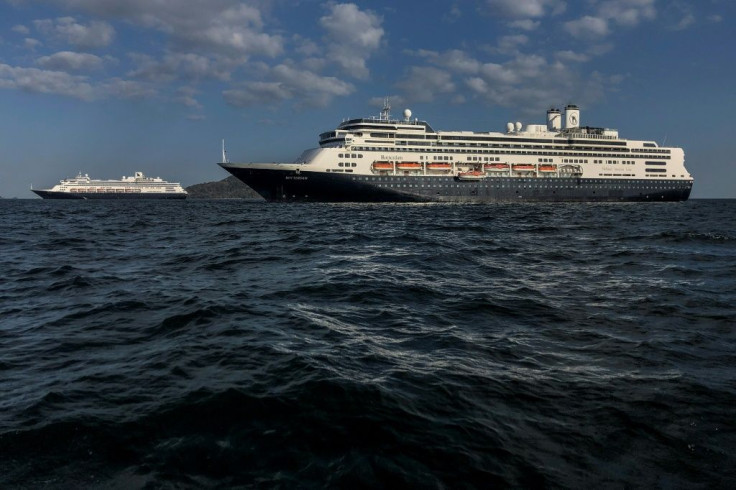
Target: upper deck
[(385, 132)]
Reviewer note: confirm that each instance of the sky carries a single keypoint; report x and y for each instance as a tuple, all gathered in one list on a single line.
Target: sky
[(109, 87)]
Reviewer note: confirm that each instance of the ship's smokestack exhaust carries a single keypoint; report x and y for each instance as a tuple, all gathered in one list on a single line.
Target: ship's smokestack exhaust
[(554, 120), (572, 117)]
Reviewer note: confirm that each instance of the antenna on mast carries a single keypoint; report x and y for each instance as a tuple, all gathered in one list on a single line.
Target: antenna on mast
[(224, 153), (385, 112)]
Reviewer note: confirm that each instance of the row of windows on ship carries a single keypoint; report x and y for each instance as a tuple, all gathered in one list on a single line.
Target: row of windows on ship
[(533, 183), (648, 174), (492, 159), (543, 145), (511, 152)]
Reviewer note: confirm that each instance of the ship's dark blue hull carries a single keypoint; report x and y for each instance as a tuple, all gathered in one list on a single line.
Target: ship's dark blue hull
[(287, 185), (107, 195)]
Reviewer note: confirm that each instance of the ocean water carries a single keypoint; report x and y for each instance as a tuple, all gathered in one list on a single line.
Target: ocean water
[(237, 344)]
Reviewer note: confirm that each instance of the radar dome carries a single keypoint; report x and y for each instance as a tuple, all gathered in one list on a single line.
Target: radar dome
[(407, 113), (510, 127)]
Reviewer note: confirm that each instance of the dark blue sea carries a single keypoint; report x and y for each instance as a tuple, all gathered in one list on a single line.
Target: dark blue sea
[(236, 344)]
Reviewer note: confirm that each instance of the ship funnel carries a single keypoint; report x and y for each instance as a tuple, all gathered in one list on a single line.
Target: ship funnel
[(554, 120), (572, 117)]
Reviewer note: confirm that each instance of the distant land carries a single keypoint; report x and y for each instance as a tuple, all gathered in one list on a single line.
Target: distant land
[(228, 188)]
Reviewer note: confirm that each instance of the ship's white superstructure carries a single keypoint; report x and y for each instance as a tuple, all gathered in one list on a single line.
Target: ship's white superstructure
[(127, 187), (407, 159)]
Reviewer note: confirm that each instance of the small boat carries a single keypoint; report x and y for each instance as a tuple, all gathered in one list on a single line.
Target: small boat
[(471, 175), (523, 167), (496, 167), (548, 168), (383, 166), (439, 166)]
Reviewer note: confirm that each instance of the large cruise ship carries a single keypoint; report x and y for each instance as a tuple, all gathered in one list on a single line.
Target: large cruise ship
[(137, 186), (385, 159)]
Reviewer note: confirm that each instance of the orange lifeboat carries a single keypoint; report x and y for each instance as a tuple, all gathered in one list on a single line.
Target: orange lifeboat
[(548, 168), (408, 165), (439, 166), (383, 166), (523, 167), (496, 166)]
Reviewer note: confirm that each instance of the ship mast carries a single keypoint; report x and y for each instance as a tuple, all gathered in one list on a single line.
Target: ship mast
[(224, 153), (385, 112)]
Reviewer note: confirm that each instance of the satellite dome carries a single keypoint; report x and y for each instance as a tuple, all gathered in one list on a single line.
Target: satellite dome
[(407, 113)]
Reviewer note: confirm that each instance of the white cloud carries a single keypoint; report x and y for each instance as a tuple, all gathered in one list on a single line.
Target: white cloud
[(509, 44), (216, 39), (46, 82), (127, 89), (524, 9), (21, 29), (31, 43), (685, 22), (81, 87), (304, 46), (185, 95), (96, 34), (215, 26), (628, 13), (70, 61), (477, 84), (587, 27), (571, 56), (499, 74), (353, 35), (312, 88), (173, 66), (522, 80), (525, 24), (235, 30), (453, 15), (678, 16), (600, 49), (453, 59), (425, 83), (255, 93), (522, 84), (288, 83)]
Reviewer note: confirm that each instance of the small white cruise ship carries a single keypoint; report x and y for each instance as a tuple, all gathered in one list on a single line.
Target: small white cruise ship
[(385, 159), (137, 186)]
